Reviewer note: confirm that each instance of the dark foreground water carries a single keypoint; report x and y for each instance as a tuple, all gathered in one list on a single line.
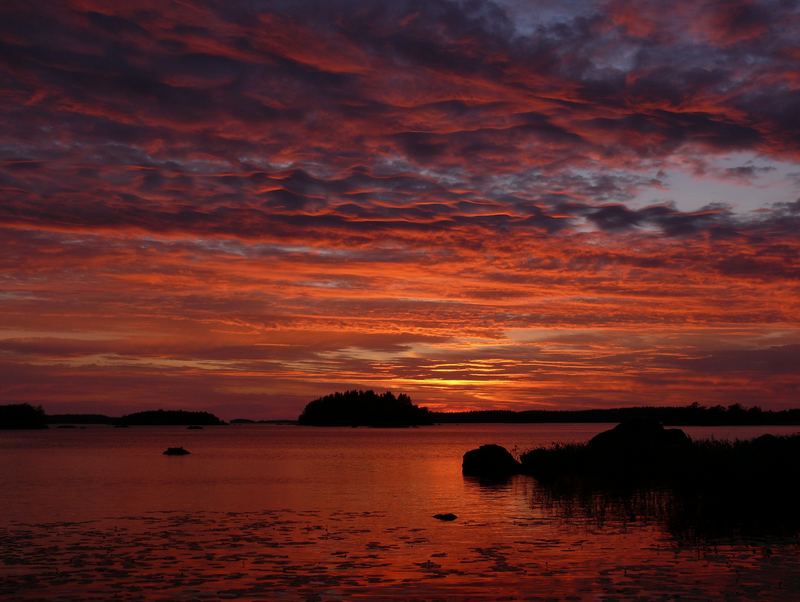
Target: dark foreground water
[(279, 512)]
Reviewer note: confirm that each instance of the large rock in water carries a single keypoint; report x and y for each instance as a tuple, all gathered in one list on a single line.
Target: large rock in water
[(489, 461), (638, 437)]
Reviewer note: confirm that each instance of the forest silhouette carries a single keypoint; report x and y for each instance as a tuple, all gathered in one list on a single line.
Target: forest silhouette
[(364, 408)]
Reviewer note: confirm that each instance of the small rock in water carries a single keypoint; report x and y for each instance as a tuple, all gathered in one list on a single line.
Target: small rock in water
[(176, 451), (445, 516)]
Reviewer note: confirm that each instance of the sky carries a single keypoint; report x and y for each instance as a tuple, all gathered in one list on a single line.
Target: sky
[(241, 205)]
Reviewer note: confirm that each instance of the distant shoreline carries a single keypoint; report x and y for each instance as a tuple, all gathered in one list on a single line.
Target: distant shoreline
[(693, 415)]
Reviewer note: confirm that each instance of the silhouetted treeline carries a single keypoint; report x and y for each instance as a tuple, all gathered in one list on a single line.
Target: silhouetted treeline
[(26, 416), (149, 417), (691, 415), (80, 419), (364, 408), (22, 416), (169, 417), (250, 421)]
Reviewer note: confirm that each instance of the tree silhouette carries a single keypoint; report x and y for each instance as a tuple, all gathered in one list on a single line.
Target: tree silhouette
[(22, 416), (364, 408)]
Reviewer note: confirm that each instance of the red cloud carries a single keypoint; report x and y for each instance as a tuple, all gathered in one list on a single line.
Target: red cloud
[(250, 208)]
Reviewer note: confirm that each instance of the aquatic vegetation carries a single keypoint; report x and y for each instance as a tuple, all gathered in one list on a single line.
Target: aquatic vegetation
[(646, 453), (699, 488)]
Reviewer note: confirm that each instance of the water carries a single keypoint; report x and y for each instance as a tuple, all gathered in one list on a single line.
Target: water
[(266, 512)]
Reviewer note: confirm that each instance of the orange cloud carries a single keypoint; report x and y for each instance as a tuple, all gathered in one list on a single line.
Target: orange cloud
[(241, 208)]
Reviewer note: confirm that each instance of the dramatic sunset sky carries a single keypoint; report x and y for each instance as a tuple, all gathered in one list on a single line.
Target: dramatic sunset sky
[(242, 205)]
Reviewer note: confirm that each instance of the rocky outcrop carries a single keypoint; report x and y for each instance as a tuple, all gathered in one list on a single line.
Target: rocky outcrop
[(638, 437), (489, 461)]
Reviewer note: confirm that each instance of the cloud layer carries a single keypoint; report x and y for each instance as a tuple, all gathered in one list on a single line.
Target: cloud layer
[(242, 205)]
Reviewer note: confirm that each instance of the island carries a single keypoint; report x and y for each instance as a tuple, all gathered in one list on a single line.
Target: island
[(22, 416), (364, 408), (66, 419), (26, 416), (279, 421), (169, 417)]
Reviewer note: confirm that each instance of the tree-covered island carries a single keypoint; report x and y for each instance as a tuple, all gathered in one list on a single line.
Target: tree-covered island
[(364, 408)]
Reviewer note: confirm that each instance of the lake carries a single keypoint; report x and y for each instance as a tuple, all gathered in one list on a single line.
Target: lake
[(263, 512)]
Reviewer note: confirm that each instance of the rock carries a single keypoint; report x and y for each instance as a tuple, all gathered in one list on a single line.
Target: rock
[(638, 437), (765, 441), (489, 461), (447, 516), (676, 438), (176, 451)]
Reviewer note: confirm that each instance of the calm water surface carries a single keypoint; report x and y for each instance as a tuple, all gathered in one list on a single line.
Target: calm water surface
[(266, 512)]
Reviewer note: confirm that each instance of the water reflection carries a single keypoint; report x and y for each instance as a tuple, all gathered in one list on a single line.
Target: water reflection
[(271, 513), (690, 517), (499, 485)]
